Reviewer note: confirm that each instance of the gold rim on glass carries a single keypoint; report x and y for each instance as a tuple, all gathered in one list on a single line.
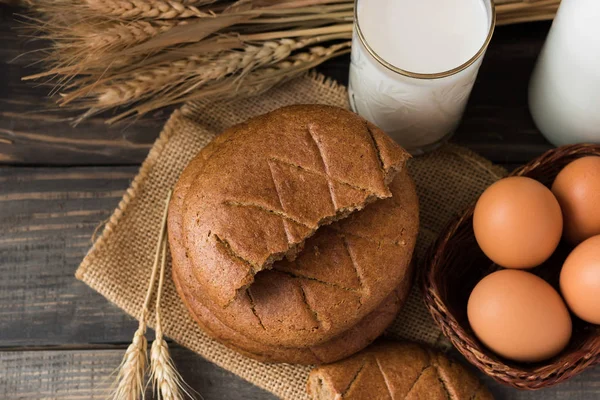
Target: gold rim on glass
[(435, 75)]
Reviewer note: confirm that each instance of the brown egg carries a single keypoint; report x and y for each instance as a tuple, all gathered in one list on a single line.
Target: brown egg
[(519, 316), (577, 188), (580, 280), (517, 222)]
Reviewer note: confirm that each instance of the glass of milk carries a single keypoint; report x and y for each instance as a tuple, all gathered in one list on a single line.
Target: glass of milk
[(564, 91), (414, 63)]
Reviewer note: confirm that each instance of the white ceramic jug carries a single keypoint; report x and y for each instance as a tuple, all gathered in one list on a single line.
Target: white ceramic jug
[(564, 92)]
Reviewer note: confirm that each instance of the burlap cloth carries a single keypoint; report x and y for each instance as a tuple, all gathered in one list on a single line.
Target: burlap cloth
[(118, 265)]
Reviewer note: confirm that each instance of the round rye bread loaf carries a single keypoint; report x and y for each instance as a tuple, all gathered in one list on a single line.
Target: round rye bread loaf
[(395, 371), (273, 237)]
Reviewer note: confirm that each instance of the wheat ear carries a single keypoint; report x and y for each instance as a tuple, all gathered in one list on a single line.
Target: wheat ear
[(253, 83), (197, 71), (265, 78), (88, 48), (129, 383), (167, 383), (123, 35), (130, 378), (198, 2), (132, 9)]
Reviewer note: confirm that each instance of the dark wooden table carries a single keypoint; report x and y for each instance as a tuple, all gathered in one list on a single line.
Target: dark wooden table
[(58, 338)]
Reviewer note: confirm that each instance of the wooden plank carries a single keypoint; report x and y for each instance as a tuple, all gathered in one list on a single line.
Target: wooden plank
[(497, 122), (85, 374), (585, 386), (34, 131), (47, 217)]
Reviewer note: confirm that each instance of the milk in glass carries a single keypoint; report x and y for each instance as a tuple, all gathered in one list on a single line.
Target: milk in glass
[(414, 63)]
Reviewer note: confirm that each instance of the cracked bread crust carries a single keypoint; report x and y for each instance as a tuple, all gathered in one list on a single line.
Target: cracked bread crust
[(342, 346), (346, 270), (394, 371), (344, 273), (271, 182)]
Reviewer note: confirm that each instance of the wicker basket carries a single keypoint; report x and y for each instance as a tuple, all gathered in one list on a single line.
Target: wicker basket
[(454, 266)]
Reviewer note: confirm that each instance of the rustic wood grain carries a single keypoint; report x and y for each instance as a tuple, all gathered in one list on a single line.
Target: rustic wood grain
[(34, 131), (85, 374), (497, 122), (583, 387), (47, 217), (58, 338)]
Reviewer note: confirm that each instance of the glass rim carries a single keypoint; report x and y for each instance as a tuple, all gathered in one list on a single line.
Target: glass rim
[(435, 75)]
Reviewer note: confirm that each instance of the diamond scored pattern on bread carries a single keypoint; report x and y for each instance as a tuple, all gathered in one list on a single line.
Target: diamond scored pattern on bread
[(305, 167), (394, 370), (264, 192)]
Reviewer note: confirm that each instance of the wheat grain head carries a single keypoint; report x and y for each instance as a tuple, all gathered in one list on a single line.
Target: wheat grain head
[(132, 9), (256, 82), (129, 383), (197, 71)]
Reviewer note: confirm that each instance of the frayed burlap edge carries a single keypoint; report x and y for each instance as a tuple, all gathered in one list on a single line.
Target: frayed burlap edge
[(131, 191)]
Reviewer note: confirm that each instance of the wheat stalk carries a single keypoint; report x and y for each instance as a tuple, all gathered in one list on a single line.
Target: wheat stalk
[(266, 78), (130, 378), (135, 53), (517, 12), (254, 83), (198, 2), (123, 35), (129, 381), (89, 47), (524, 5), (159, 9), (198, 69), (167, 383)]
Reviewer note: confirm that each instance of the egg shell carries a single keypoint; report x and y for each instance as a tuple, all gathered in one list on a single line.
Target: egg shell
[(580, 280), (577, 188), (519, 316), (517, 222)]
